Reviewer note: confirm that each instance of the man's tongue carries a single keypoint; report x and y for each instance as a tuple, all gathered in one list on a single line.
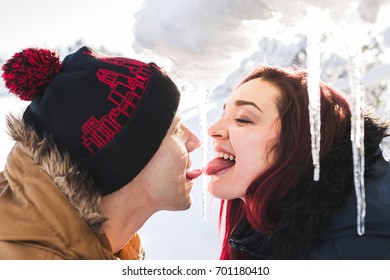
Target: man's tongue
[(193, 174), (218, 164)]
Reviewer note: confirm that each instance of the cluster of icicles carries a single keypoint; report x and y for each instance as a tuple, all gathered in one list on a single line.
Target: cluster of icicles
[(313, 52)]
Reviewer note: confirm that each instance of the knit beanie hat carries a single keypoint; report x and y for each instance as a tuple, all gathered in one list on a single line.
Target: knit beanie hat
[(110, 114)]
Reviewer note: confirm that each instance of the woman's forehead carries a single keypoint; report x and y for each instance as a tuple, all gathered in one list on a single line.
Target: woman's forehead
[(256, 91)]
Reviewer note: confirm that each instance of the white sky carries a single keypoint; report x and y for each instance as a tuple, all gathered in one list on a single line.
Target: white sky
[(59, 23)]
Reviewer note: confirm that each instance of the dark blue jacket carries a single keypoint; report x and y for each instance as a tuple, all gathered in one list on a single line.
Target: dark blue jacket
[(343, 242)]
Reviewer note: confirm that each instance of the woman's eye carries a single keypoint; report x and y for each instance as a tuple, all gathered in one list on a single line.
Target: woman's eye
[(242, 120)]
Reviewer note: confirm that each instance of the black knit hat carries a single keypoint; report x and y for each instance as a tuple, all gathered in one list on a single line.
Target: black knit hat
[(110, 114)]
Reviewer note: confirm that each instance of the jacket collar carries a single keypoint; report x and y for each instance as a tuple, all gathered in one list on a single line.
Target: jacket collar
[(245, 238)]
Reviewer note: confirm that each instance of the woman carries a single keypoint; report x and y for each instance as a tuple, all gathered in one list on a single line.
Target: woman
[(263, 172)]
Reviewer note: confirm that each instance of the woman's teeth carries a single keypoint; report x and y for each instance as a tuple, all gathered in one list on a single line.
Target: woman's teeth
[(225, 156)]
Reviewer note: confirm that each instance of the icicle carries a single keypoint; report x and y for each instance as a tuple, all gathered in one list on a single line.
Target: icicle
[(313, 87), (357, 137), (204, 139)]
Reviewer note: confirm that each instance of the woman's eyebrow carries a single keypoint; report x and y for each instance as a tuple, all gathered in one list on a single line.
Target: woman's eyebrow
[(245, 102)]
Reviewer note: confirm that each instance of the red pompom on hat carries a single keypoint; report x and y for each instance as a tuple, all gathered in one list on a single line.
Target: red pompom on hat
[(29, 72)]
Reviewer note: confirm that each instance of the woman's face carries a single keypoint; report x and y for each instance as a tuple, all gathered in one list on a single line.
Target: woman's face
[(243, 139)]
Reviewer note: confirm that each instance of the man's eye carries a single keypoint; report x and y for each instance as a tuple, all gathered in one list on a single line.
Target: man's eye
[(177, 130)]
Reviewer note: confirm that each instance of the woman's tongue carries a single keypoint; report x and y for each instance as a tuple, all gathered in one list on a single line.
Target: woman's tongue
[(218, 164)]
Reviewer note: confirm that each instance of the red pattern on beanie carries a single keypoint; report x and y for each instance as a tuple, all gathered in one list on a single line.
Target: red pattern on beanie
[(126, 92), (30, 71)]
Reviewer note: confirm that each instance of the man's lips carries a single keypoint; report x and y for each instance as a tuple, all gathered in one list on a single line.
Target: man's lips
[(193, 174)]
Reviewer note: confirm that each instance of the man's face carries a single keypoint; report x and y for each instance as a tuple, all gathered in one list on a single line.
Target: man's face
[(168, 180)]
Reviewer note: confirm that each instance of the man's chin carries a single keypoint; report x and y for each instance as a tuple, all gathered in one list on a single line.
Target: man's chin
[(187, 204)]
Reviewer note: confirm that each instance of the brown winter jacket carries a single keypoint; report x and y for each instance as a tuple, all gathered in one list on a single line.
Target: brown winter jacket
[(46, 210)]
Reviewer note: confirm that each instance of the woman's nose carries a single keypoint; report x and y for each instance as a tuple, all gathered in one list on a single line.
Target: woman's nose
[(218, 130)]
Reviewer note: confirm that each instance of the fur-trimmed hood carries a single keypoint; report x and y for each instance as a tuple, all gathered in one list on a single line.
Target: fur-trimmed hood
[(317, 212), (48, 209), (75, 186)]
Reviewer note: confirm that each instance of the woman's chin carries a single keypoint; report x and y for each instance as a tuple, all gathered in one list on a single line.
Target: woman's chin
[(214, 190), (220, 192)]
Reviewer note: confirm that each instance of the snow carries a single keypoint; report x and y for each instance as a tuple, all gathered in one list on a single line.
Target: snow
[(234, 27), (380, 72), (8, 104)]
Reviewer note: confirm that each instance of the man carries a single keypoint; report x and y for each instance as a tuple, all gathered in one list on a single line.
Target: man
[(99, 150)]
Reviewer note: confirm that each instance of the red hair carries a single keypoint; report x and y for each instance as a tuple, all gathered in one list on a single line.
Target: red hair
[(293, 151)]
